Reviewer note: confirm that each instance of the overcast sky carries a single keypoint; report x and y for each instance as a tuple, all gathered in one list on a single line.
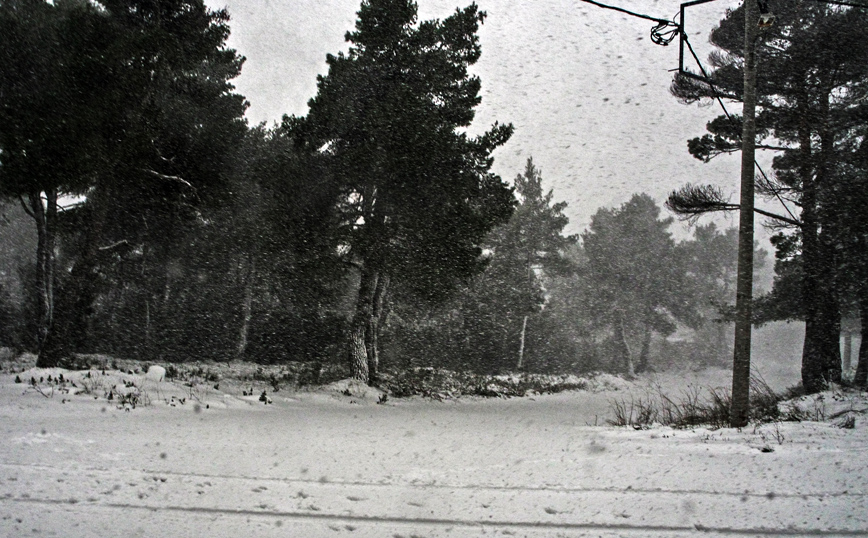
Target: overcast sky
[(586, 89)]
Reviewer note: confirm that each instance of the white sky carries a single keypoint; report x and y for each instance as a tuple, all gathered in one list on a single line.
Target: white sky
[(586, 89)]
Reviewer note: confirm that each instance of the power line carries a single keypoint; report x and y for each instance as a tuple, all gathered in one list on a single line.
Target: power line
[(627, 11), (662, 34)]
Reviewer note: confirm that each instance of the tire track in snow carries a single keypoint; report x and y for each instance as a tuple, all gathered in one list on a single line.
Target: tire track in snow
[(438, 522), (528, 509), (478, 487)]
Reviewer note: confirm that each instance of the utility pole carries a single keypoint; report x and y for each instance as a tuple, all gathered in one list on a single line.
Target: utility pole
[(740, 409)]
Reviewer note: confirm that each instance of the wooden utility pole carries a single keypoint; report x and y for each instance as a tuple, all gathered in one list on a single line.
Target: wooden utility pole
[(740, 410)]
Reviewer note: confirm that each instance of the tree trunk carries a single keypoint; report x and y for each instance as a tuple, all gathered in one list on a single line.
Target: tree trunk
[(821, 355), (740, 405), (246, 308), (372, 340), (357, 350), (50, 252), (521, 344), (646, 350), (848, 351), (723, 352), (860, 379), (45, 217), (149, 331), (626, 353), (74, 301)]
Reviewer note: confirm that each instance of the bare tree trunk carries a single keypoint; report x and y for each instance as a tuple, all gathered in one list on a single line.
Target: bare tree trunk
[(645, 351), (740, 406), (36, 210), (521, 344), (372, 340), (860, 379), (50, 251), (626, 353), (149, 331), (848, 351), (724, 354), (74, 304), (44, 215), (821, 355), (357, 351), (246, 307)]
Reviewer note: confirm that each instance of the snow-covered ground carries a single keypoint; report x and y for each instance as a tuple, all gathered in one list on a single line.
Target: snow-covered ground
[(321, 463)]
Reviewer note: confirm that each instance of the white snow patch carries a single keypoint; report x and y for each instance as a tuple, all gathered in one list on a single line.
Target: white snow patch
[(156, 373), (535, 467)]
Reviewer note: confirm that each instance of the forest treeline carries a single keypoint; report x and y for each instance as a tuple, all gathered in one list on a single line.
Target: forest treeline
[(370, 232)]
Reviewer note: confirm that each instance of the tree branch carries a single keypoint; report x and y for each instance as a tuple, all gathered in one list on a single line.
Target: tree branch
[(692, 201), (166, 177), (26, 209), (114, 245)]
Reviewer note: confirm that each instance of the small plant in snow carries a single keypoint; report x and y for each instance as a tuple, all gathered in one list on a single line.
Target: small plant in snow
[(769, 434), (693, 408), (36, 386), (847, 423), (92, 384)]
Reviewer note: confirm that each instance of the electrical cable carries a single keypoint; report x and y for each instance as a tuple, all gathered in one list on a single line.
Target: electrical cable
[(628, 12), (665, 32), (662, 34)]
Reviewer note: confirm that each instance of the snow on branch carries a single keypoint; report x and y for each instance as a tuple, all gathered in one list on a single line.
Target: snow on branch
[(167, 177), (692, 201)]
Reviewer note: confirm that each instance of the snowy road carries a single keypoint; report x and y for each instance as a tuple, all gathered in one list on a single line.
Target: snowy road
[(168, 503), (315, 465)]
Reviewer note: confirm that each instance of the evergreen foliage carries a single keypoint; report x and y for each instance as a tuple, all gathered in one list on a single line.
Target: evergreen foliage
[(193, 236), (415, 195), (811, 108), (638, 287)]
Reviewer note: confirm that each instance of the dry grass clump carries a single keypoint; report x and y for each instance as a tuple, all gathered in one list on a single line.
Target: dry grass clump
[(695, 407)]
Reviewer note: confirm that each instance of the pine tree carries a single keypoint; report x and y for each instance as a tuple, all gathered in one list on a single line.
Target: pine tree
[(636, 285), (811, 64), (416, 194), (50, 119), (524, 252), (169, 120)]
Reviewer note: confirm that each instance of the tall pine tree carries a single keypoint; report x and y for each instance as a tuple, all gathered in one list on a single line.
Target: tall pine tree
[(811, 64), (416, 195)]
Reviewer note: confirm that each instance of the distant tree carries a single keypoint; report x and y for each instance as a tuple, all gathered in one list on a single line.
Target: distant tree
[(416, 193), (635, 281), (562, 338), (709, 261), (285, 236), (523, 254)]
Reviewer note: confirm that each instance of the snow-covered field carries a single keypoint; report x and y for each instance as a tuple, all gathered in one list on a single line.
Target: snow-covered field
[(320, 463)]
